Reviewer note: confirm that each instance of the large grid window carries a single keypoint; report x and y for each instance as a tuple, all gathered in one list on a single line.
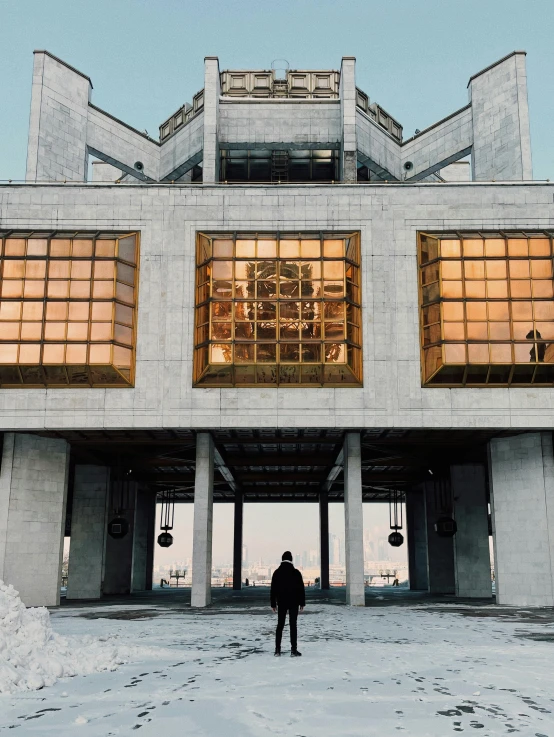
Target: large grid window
[(487, 308), (278, 309), (67, 308)]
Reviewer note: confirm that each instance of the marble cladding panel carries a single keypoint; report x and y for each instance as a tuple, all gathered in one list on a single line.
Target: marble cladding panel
[(168, 218)]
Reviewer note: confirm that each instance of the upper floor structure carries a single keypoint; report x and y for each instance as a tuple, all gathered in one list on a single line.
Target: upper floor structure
[(265, 127)]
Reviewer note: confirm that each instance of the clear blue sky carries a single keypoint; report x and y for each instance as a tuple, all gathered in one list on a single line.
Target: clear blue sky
[(145, 57)]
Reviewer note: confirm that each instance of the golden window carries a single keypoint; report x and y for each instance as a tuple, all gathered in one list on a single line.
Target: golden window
[(278, 309), (67, 309), (487, 309)]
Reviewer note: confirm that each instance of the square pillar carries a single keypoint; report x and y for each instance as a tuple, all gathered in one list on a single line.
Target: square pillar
[(353, 519), (145, 512), (471, 542), (237, 541), (324, 540), (212, 91), (33, 497), (440, 550), (201, 595), (88, 531), (500, 120), (118, 567), (57, 143), (417, 540), (347, 96), (521, 481)]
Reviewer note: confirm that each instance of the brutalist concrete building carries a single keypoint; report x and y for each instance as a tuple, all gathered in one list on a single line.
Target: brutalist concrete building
[(282, 298)]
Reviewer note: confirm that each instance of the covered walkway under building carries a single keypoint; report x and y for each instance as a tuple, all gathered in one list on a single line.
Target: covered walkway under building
[(101, 488)]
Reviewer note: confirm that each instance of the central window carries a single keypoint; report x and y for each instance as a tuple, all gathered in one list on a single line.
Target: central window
[(278, 309)]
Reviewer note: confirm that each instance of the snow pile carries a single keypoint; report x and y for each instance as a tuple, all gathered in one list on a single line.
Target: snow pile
[(32, 655)]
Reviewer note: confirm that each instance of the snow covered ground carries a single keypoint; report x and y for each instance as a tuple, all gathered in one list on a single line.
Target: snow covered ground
[(417, 669)]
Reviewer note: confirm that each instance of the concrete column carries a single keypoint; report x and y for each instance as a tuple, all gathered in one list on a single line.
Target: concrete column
[(324, 540), (118, 566), (57, 144), (142, 539), (353, 519), (237, 542), (417, 540), (151, 544), (212, 91), (88, 532), (347, 95), (33, 497), (500, 114), (471, 542), (201, 595), (521, 481), (440, 550)]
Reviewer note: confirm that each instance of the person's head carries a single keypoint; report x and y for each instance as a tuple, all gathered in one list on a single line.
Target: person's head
[(287, 555)]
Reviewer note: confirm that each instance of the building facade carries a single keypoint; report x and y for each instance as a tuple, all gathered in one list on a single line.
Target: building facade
[(281, 299)]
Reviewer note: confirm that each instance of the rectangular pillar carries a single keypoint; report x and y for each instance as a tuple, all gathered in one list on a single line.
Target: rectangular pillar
[(353, 519), (347, 95), (143, 522), (324, 540), (471, 542), (118, 567), (521, 480), (440, 550), (417, 540), (237, 541), (33, 497), (201, 595), (88, 531)]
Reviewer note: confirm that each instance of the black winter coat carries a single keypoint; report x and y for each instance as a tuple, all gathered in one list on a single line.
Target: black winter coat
[(287, 587)]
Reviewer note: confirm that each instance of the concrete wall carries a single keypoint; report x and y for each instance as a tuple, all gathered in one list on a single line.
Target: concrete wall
[(183, 149), (121, 144), (383, 152), (279, 121), (33, 494), (168, 218), (471, 542), (88, 532), (521, 478), (439, 145), (500, 117)]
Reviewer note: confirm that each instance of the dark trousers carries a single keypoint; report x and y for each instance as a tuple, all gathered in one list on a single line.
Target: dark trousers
[(282, 610)]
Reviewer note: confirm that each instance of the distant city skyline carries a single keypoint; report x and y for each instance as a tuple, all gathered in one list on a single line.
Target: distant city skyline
[(269, 530)]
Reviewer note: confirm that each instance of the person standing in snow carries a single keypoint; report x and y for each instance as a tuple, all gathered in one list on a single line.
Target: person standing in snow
[(287, 595)]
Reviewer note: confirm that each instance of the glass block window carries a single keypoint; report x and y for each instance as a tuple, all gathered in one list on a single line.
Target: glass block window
[(278, 309), (487, 309), (67, 309)]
